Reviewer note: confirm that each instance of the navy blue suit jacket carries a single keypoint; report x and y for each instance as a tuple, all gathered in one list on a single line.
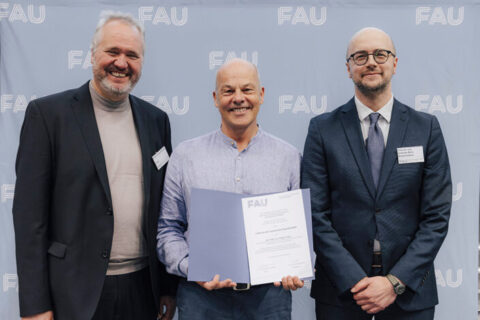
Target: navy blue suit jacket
[(62, 209), (410, 210)]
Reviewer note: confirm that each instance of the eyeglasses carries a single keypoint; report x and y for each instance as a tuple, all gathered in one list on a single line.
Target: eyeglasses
[(361, 57)]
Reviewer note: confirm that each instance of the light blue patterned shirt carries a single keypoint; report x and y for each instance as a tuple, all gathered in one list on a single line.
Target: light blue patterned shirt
[(268, 164)]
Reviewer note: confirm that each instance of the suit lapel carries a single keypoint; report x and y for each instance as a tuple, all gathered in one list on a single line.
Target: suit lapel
[(398, 126), (141, 124), (351, 126), (82, 107)]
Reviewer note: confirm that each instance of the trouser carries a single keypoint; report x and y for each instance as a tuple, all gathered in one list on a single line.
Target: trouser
[(392, 312), (264, 302), (127, 297)]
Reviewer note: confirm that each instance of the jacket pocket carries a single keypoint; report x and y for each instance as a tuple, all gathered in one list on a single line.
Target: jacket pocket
[(57, 249)]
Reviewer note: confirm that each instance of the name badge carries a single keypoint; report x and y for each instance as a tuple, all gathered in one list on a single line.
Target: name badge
[(160, 158), (410, 154)]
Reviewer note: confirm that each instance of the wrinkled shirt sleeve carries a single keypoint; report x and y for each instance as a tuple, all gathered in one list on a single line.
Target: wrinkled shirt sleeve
[(172, 246)]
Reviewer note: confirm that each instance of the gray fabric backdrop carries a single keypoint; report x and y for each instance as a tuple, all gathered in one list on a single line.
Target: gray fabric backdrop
[(299, 47)]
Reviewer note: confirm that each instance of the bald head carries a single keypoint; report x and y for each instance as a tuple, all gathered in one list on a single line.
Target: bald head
[(372, 68), (238, 96), (372, 37), (236, 66)]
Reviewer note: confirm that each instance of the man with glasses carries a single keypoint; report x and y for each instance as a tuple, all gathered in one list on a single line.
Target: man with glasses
[(380, 183)]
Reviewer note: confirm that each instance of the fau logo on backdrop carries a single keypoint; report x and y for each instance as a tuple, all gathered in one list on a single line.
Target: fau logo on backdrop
[(80, 58), (447, 278), (458, 192), (170, 105), (6, 192), (437, 103), (16, 103), (303, 104), (161, 15), (10, 281), (218, 57), (438, 15), (314, 16), (26, 13)]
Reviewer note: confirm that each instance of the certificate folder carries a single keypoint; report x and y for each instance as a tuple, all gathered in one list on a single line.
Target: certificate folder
[(217, 243)]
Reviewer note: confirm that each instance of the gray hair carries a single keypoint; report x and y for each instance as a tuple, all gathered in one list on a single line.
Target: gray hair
[(118, 16)]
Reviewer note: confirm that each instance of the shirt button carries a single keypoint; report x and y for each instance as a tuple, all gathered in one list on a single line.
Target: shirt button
[(237, 179)]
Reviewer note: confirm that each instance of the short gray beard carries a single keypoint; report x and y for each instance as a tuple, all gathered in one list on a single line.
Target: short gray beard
[(110, 88), (116, 91)]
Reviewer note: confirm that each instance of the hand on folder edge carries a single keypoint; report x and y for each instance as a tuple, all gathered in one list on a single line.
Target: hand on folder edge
[(216, 283), (290, 283)]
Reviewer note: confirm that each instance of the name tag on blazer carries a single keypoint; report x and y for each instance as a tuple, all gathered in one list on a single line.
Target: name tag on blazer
[(160, 158), (410, 154)]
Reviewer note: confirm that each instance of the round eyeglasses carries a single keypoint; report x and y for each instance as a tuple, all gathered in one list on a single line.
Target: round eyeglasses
[(361, 57)]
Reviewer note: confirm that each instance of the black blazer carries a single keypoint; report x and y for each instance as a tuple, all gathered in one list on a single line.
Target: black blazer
[(62, 209), (409, 210)]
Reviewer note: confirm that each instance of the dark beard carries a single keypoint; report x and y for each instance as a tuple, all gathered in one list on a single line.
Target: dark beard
[(371, 91)]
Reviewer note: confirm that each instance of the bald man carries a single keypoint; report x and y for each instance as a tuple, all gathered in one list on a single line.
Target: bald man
[(380, 184), (239, 157)]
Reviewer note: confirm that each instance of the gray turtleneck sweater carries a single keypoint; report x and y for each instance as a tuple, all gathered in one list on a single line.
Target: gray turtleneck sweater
[(123, 159)]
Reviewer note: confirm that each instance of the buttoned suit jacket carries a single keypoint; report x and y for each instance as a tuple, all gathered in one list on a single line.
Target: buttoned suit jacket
[(62, 208), (409, 211)]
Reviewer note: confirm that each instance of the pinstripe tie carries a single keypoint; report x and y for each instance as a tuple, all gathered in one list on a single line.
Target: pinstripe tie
[(375, 147)]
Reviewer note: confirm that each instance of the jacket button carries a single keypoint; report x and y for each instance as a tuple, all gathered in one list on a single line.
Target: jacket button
[(377, 210), (109, 211), (105, 254)]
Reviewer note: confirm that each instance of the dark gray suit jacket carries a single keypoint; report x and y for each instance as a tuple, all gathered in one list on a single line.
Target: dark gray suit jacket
[(409, 211), (62, 209)]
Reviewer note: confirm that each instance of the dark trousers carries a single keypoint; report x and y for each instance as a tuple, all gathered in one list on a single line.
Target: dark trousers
[(265, 302), (127, 297), (393, 312)]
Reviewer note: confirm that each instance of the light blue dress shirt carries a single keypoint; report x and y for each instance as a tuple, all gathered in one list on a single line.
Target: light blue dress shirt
[(268, 164)]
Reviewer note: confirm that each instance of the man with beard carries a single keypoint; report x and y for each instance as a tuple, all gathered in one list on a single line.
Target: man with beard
[(88, 193), (380, 186)]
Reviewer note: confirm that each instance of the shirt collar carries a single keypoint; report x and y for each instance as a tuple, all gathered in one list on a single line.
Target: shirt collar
[(229, 141), (364, 111)]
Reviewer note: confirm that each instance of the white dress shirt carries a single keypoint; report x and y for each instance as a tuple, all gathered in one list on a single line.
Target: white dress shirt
[(383, 120)]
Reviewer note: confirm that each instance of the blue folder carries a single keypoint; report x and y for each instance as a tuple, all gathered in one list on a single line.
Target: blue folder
[(217, 241)]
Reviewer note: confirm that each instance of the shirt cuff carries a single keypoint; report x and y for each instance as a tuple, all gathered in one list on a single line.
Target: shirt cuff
[(183, 267)]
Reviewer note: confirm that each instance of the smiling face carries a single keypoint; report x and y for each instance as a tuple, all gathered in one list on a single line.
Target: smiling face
[(238, 97), (372, 78), (117, 60)]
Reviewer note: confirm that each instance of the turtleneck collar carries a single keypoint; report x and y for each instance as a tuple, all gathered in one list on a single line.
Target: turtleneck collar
[(105, 104)]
